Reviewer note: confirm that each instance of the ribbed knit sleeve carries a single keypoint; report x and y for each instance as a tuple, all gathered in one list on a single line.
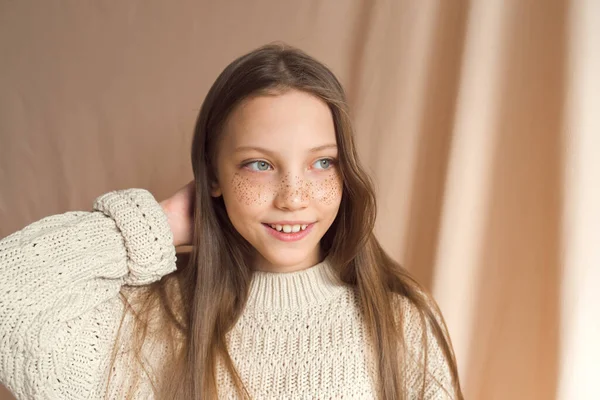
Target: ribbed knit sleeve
[(435, 378), (145, 233), (59, 283)]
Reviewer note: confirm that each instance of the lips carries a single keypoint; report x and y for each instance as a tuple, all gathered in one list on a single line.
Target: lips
[(292, 235), (288, 228)]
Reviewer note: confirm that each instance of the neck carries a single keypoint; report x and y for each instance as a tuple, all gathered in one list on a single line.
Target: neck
[(263, 265)]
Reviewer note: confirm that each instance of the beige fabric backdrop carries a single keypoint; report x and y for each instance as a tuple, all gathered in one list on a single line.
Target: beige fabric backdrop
[(479, 122)]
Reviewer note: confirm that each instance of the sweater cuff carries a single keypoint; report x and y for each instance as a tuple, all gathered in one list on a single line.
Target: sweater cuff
[(146, 233)]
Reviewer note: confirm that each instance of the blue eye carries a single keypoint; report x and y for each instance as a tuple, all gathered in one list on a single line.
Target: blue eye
[(323, 163), (258, 166)]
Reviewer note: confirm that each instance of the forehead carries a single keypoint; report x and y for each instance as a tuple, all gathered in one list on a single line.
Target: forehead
[(293, 119)]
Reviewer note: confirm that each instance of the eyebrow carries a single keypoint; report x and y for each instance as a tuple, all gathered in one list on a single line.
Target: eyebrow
[(267, 151)]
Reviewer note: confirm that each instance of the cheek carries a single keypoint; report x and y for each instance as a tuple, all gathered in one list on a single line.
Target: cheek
[(327, 191), (250, 192)]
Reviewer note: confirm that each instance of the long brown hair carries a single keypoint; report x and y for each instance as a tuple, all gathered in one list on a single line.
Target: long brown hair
[(199, 303)]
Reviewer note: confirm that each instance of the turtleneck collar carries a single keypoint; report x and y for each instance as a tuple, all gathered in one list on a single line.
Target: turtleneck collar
[(294, 290)]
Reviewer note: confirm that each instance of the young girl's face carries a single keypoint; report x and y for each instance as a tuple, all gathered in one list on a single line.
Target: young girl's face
[(277, 170)]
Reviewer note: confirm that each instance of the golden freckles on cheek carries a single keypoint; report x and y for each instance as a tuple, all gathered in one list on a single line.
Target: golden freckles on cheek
[(249, 192), (327, 191)]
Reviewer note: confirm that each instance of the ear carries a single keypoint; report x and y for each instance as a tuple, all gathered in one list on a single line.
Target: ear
[(215, 189)]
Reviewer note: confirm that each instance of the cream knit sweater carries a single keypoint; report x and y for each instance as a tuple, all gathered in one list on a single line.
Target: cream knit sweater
[(300, 336)]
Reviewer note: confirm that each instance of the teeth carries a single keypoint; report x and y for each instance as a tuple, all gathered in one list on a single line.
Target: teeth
[(288, 228)]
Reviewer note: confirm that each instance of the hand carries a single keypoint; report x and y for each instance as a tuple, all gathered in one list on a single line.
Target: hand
[(178, 209)]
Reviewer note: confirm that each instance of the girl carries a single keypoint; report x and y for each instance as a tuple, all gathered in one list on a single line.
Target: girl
[(286, 293)]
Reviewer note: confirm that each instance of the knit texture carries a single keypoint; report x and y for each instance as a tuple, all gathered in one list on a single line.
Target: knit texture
[(300, 336)]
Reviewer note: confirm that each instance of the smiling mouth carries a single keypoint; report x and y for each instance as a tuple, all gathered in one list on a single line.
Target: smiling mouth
[(291, 232), (288, 228)]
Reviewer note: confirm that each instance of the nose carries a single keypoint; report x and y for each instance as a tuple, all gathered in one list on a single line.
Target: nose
[(292, 194)]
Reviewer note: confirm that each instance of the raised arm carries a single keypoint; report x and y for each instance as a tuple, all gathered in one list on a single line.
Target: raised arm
[(64, 266)]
